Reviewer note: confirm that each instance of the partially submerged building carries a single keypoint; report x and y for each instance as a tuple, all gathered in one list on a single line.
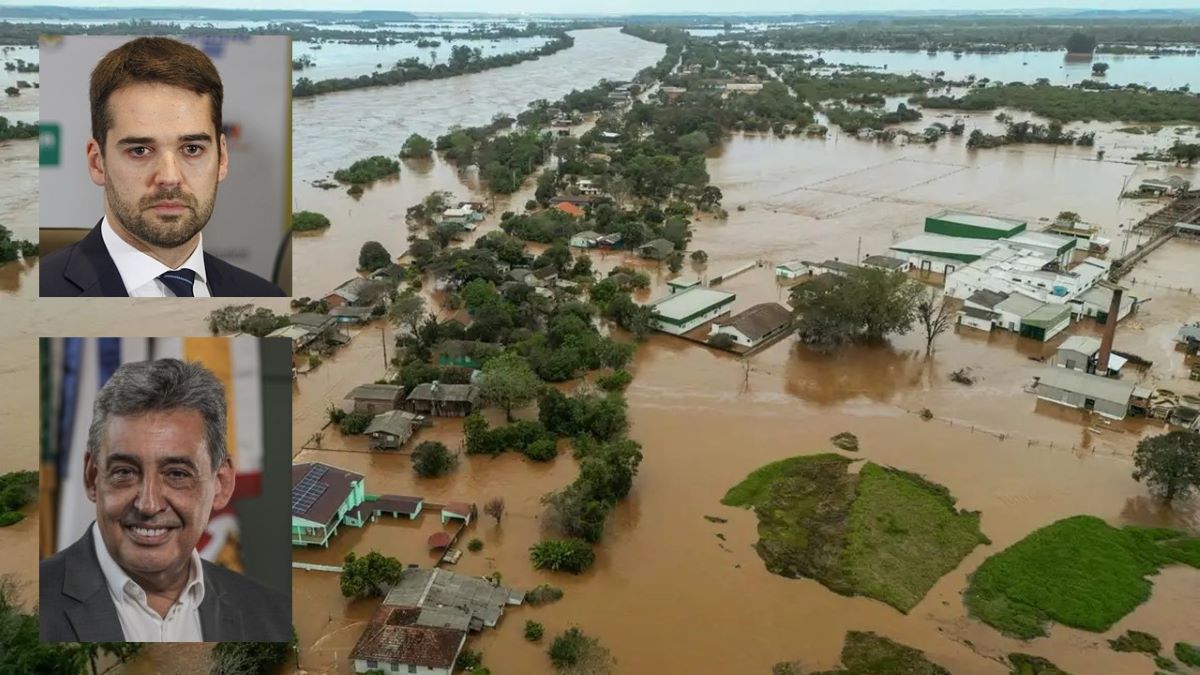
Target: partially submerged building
[(756, 325), (1031, 318), (323, 496), (656, 249), (1081, 352), (792, 269), (681, 312), (1075, 389), (376, 398), (960, 224), (392, 429), (887, 263), (443, 400)]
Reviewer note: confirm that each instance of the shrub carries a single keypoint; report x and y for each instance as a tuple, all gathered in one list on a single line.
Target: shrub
[(368, 170), (1188, 655), (562, 555), (302, 221), (614, 381), (355, 422), (468, 659), (372, 256), (720, 340), (845, 441), (534, 631), (431, 459), (1136, 641), (475, 545), (542, 450), (545, 593)]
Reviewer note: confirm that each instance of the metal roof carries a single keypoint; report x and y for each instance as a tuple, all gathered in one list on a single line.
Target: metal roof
[(940, 243), (1019, 304), (1081, 343), (1092, 386), (685, 303), (977, 220)]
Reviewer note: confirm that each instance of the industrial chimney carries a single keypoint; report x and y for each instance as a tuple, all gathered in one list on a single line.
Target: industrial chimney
[(1110, 331)]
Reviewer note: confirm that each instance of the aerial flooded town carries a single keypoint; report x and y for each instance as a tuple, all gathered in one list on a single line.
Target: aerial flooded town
[(861, 343)]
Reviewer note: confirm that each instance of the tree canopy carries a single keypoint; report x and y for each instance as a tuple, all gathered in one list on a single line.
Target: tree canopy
[(508, 382), (373, 256), (1169, 463), (416, 146), (369, 575), (865, 304)]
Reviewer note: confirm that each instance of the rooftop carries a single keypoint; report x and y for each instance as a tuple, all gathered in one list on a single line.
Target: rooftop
[(394, 636), (309, 320), (1019, 304), (987, 298), (1044, 239), (758, 321), (440, 588), (375, 391), (1092, 386), (978, 220), (586, 234), (1047, 315), (1082, 344), (290, 332), (437, 391), (938, 243), (394, 422), (885, 261), (679, 306), (319, 489)]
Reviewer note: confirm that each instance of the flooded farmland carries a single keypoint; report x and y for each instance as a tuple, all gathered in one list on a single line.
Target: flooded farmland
[(666, 594)]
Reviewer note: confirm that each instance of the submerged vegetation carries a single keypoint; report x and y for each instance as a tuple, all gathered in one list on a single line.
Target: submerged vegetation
[(17, 489), (368, 170), (1080, 572), (873, 654), (1076, 103), (882, 533)]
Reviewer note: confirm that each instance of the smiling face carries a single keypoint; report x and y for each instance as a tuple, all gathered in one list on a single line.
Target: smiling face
[(160, 164), (154, 489)]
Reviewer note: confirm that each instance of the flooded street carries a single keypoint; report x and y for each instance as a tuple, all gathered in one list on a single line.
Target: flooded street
[(666, 594)]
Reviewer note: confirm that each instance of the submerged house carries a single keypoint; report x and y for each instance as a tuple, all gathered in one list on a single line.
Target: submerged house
[(656, 249), (751, 327), (1074, 389), (465, 353), (1032, 318), (1081, 352), (392, 429), (376, 398), (443, 400), (323, 497)]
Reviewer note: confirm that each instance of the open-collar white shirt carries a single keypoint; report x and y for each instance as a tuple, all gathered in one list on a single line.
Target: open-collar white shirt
[(140, 272), (139, 622)]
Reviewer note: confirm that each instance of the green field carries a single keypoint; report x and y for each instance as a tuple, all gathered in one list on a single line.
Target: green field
[(871, 654), (1079, 571), (883, 533)]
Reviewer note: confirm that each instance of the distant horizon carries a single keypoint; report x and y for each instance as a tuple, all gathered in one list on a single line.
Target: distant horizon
[(681, 8)]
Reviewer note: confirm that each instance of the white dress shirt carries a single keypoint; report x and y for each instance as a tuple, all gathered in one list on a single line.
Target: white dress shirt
[(139, 622), (140, 272)]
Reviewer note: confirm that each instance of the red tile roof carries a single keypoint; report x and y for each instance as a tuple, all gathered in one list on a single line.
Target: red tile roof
[(569, 209), (391, 637), (439, 540), (458, 508)]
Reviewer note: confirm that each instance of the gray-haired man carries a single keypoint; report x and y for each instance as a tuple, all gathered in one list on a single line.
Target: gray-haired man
[(156, 467)]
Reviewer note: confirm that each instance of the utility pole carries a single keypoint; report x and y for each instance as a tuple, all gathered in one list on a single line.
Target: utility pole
[(858, 255), (383, 340)]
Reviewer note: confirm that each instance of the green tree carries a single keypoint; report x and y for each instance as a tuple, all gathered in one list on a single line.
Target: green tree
[(866, 304), (1081, 43), (248, 658), (431, 459), (1099, 69), (1169, 463), (508, 382), (369, 575), (533, 630), (416, 146), (368, 170), (373, 256), (575, 653), (303, 221), (408, 311), (562, 555)]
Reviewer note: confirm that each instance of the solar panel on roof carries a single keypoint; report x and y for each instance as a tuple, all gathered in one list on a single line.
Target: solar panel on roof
[(309, 489)]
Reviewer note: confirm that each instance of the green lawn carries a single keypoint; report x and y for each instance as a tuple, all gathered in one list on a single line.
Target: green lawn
[(871, 654), (904, 535), (883, 533), (1078, 571), (1026, 664)]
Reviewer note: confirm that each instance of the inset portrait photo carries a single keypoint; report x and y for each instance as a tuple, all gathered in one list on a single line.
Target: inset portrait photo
[(165, 166), (164, 508)]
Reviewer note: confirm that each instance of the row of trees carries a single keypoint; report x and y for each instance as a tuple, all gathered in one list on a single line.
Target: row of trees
[(11, 249), (17, 489), (16, 130), (463, 59), (1076, 103)]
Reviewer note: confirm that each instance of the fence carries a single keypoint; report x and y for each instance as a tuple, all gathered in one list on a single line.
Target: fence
[(1075, 449)]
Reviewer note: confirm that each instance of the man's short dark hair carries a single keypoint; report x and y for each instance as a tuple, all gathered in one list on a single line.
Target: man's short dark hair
[(153, 60), (162, 385)]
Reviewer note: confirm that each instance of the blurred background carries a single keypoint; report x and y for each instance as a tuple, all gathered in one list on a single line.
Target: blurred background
[(251, 534)]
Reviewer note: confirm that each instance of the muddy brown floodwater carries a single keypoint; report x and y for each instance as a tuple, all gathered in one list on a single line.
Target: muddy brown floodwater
[(667, 595)]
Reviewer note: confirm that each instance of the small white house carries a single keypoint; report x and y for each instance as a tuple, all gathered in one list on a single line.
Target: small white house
[(792, 269), (587, 187), (752, 326), (585, 239)]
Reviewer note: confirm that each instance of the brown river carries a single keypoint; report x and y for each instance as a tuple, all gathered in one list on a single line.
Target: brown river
[(666, 594)]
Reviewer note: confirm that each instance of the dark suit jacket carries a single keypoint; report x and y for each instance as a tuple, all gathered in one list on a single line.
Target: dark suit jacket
[(76, 606), (86, 269)]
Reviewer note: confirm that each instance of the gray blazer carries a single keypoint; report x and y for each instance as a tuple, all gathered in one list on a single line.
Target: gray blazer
[(75, 605)]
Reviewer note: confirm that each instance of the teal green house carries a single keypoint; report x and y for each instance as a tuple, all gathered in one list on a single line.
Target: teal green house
[(323, 498)]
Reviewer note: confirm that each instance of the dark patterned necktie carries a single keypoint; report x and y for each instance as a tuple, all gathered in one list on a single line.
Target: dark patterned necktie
[(179, 281)]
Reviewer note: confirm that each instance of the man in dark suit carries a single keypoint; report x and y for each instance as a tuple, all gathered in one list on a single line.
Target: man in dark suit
[(156, 468), (158, 151)]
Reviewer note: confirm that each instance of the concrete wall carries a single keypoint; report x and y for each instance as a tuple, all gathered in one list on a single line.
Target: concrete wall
[(1071, 359), (981, 324), (360, 666)]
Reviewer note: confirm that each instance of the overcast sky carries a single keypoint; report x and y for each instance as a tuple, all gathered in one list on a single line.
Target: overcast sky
[(637, 6)]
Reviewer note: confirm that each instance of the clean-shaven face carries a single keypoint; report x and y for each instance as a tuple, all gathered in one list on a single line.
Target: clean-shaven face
[(154, 489), (161, 163)]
